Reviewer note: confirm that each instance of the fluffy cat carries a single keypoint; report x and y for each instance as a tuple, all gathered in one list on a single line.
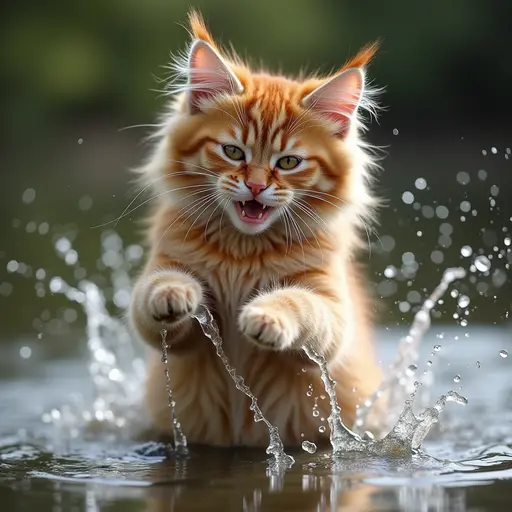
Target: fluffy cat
[(262, 189)]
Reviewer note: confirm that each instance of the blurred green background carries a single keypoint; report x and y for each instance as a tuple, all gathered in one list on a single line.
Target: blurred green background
[(74, 75)]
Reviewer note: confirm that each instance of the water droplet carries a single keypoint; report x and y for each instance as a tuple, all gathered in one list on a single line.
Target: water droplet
[(395, 131), (463, 178), (80, 141), (411, 369), (442, 212), (85, 203), (316, 413), (40, 336), (420, 183), (25, 352), (308, 446), (321, 429), (429, 363), (465, 206), (482, 263), (503, 354), (463, 301), (390, 271), (437, 348), (408, 197), (478, 364), (12, 266), (28, 196), (482, 174), (456, 378)]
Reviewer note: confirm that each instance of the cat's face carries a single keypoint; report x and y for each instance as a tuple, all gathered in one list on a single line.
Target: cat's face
[(263, 150), (266, 160)]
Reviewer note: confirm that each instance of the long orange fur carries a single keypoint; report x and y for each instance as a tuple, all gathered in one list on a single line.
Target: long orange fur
[(274, 285)]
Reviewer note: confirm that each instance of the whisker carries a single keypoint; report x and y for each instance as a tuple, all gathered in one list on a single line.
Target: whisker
[(191, 206), (312, 232), (313, 215), (211, 173), (146, 187), (140, 126), (296, 228), (126, 213), (221, 217), (307, 225), (312, 195), (199, 215), (289, 240), (209, 218), (319, 193)]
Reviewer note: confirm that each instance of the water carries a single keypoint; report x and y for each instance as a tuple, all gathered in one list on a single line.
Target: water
[(180, 440), (275, 447), (464, 465), (76, 441)]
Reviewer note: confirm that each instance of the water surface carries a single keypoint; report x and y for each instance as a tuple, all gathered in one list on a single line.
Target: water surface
[(464, 464)]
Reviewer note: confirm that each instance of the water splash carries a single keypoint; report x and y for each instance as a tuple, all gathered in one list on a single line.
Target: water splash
[(342, 439), (407, 434), (180, 441), (117, 382), (399, 382), (308, 446), (116, 366), (118, 373), (275, 447)]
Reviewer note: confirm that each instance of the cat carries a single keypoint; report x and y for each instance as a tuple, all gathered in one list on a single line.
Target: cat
[(262, 190)]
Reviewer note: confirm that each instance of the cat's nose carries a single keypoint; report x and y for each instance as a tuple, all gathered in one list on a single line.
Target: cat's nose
[(256, 186)]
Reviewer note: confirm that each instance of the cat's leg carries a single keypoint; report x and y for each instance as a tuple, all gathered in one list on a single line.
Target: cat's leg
[(288, 317), (164, 297)]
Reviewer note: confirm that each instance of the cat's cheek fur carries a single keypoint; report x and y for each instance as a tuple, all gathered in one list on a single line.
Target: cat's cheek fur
[(164, 299)]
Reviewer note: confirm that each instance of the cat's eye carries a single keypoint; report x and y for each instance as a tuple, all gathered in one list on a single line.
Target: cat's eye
[(233, 152), (288, 162)]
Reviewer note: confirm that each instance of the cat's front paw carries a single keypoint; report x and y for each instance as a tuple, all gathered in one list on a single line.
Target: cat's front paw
[(267, 328), (174, 299)]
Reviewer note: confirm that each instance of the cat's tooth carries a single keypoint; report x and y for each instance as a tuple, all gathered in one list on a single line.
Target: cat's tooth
[(264, 206), (243, 203), (243, 213), (260, 215)]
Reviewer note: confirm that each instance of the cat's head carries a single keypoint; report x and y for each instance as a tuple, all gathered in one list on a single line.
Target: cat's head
[(264, 150)]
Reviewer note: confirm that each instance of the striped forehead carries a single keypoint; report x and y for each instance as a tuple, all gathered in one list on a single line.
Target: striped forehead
[(265, 128)]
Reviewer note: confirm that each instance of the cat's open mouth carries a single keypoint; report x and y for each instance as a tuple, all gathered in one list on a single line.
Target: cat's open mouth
[(252, 211)]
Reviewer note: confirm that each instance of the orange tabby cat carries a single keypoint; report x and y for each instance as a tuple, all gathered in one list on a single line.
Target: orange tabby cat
[(262, 186)]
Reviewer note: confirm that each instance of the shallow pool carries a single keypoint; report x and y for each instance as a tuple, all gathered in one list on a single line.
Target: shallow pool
[(465, 462)]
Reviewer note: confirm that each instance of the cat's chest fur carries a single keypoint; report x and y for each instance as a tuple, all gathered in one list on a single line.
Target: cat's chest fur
[(234, 270)]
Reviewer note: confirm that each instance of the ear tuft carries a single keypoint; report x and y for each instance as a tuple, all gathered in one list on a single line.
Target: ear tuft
[(363, 57), (199, 29)]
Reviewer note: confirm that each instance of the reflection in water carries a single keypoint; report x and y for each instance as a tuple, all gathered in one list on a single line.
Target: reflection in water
[(318, 494), (298, 492)]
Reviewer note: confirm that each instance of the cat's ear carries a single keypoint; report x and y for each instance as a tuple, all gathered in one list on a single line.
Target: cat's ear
[(339, 98), (208, 76)]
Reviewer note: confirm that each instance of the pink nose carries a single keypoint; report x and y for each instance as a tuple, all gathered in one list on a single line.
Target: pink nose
[(256, 188)]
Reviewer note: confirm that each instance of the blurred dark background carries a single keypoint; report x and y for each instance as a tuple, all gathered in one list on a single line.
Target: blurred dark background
[(75, 75)]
